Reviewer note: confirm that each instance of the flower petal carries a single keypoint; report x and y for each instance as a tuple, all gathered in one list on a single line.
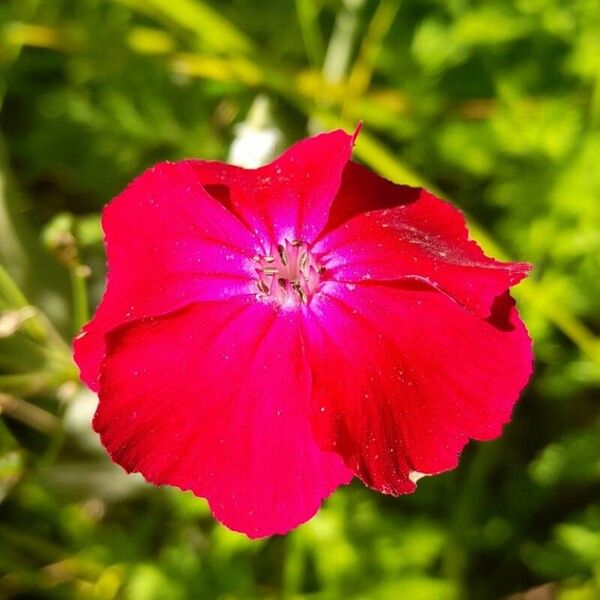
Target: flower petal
[(421, 375), (215, 399), (168, 243), (409, 233), (291, 196)]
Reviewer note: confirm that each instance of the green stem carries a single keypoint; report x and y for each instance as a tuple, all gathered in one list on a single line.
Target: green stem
[(341, 43), (29, 414), (469, 496), (309, 25), (38, 327), (339, 52), (16, 299), (80, 297), (380, 25), (294, 567), (30, 545)]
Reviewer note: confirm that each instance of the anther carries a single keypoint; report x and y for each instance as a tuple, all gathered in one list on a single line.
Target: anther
[(303, 261), (282, 255), (298, 289)]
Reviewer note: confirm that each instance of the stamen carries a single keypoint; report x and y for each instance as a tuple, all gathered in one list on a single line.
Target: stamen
[(295, 270), (282, 255), (303, 261)]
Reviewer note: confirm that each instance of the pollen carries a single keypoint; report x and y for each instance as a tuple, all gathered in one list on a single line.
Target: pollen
[(289, 275)]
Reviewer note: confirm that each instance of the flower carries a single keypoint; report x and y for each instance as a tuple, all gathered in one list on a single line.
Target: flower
[(266, 335)]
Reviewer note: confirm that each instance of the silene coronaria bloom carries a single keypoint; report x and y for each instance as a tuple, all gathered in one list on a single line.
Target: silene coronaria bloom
[(267, 335)]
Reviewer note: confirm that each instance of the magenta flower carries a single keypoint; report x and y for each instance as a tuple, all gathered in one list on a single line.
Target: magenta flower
[(266, 335)]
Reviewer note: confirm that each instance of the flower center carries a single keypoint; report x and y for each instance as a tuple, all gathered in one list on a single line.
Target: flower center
[(290, 275)]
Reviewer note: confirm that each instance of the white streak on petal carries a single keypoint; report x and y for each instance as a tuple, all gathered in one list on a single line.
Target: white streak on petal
[(414, 476)]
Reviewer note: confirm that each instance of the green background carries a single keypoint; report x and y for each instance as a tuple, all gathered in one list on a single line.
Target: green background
[(495, 104)]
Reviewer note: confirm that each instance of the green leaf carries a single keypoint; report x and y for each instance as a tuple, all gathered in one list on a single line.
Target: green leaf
[(209, 26)]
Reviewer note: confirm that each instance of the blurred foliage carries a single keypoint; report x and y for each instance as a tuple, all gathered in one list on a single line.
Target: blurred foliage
[(494, 102)]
